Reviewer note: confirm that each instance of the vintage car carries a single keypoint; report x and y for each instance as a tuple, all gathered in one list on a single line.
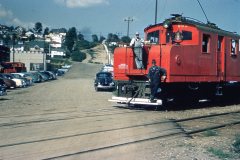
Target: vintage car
[(3, 88), (104, 81)]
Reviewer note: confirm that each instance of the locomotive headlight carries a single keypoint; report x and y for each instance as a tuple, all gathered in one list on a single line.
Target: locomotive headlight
[(178, 37)]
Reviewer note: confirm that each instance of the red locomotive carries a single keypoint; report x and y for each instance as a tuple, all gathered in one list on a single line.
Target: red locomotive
[(201, 61)]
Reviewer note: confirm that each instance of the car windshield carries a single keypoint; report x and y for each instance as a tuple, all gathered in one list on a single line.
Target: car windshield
[(103, 75)]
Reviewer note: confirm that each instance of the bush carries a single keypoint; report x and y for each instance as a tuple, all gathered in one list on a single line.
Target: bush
[(80, 45), (78, 56), (57, 62), (220, 153)]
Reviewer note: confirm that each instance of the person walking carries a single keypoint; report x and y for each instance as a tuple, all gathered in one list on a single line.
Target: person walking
[(155, 75), (137, 44)]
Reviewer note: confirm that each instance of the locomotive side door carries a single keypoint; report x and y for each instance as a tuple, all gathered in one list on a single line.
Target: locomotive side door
[(221, 58)]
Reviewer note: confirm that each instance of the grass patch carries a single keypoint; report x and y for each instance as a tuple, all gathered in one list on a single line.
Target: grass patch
[(210, 133), (236, 144), (220, 153)]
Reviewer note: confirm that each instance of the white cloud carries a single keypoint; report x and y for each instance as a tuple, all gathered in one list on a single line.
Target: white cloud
[(4, 13), (10, 19), (81, 3), (18, 22)]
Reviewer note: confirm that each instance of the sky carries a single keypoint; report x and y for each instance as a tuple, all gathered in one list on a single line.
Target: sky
[(108, 16)]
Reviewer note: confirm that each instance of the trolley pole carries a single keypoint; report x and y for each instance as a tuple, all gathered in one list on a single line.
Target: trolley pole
[(128, 20), (156, 11)]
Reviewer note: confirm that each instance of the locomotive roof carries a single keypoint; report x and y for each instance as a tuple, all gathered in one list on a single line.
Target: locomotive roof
[(207, 27)]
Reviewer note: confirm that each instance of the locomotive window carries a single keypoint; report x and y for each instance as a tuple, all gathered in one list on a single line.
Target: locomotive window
[(205, 43), (219, 43), (234, 44), (187, 35), (168, 37), (153, 37)]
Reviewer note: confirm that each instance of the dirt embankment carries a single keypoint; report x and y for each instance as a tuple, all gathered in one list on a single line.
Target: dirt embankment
[(96, 55)]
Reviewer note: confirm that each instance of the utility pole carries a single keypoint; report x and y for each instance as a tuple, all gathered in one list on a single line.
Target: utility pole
[(128, 20), (156, 11), (13, 37)]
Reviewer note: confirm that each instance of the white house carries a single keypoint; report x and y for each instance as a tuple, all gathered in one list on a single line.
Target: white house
[(57, 52)]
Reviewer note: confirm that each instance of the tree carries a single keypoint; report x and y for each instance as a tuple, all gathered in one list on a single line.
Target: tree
[(80, 37), (78, 56), (109, 37), (32, 37), (101, 38), (94, 38), (84, 44), (126, 39), (38, 27), (46, 31), (71, 38), (112, 38)]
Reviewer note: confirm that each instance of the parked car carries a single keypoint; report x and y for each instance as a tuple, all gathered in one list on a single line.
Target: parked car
[(107, 68), (104, 81), (34, 77), (25, 76), (2, 88), (19, 81), (59, 72), (26, 81), (44, 77), (66, 66), (9, 83), (51, 75)]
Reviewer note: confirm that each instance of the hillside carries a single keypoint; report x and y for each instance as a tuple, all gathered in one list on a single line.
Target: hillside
[(96, 55)]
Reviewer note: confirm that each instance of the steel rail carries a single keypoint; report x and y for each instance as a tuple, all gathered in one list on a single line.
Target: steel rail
[(63, 119), (143, 140), (182, 131), (118, 128), (205, 116)]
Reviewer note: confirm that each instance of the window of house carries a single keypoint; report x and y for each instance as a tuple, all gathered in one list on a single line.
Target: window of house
[(219, 43), (153, 37), (206, 43), (234, 44)]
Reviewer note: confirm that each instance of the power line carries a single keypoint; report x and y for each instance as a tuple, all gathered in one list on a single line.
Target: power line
[(203, 11)]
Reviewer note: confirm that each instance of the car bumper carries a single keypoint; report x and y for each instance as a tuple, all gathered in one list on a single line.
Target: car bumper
[(105, 87)]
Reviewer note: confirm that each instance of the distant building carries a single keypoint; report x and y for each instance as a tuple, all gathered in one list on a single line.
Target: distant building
[(34, 57), (57, 52)]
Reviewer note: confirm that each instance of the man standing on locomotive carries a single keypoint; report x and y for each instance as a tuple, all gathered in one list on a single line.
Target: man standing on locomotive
[(137, 44), (155, 75)]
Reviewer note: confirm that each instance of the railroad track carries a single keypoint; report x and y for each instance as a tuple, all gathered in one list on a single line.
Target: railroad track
[(71, 117), (232, 118), (143, 132), (181, 131)]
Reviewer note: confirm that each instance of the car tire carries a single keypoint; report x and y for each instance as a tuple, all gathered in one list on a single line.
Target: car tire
[(96, 89)]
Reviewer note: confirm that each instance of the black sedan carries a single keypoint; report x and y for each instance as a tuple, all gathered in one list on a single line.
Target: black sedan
[(104, 81)]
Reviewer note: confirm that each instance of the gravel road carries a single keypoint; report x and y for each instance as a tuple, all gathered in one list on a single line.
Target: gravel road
[(68, 119)]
